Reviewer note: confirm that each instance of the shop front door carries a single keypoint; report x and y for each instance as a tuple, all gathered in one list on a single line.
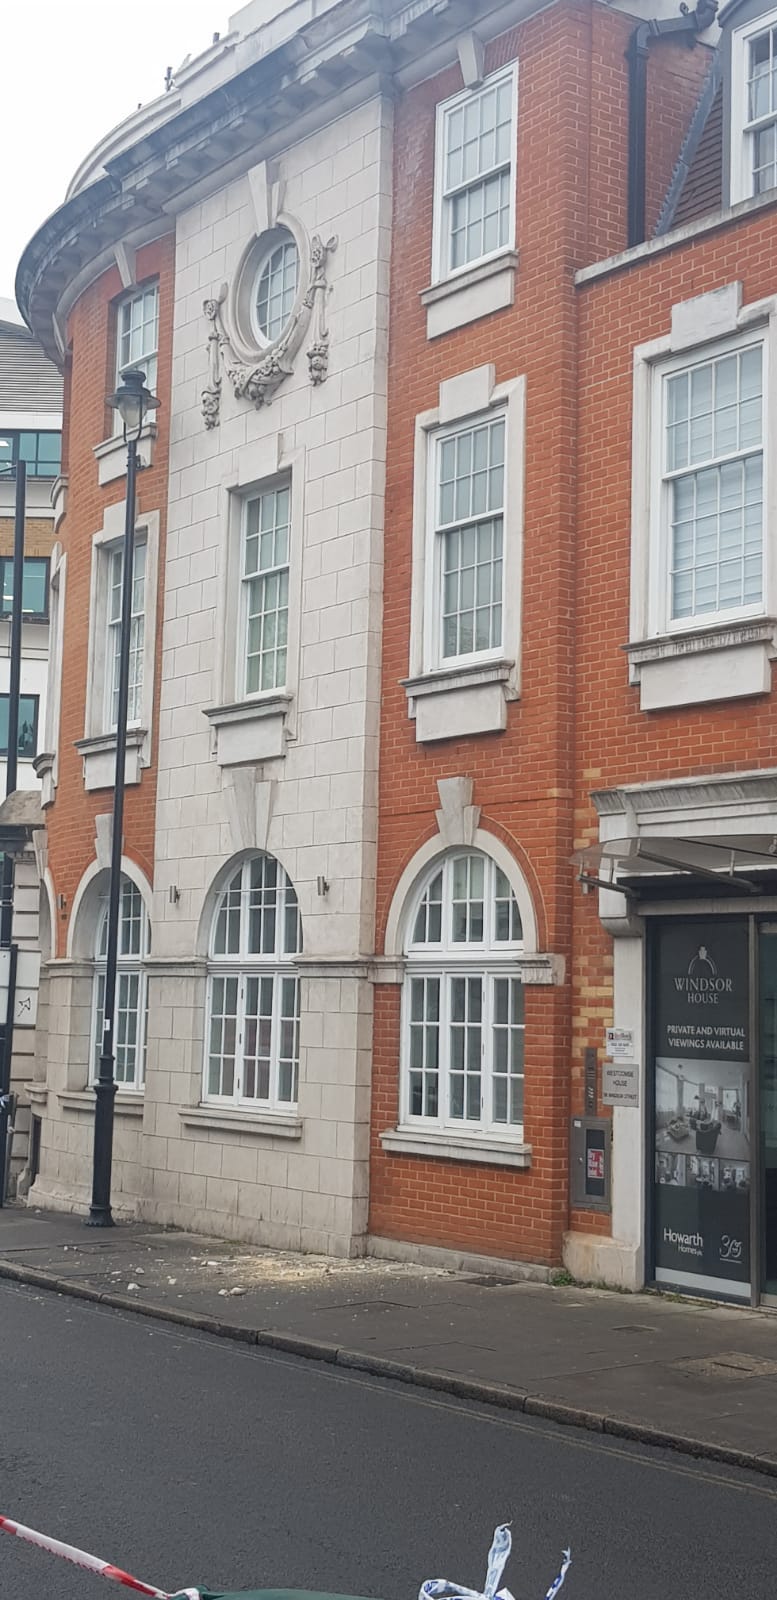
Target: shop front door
[(768, 1103), (702, 1107)]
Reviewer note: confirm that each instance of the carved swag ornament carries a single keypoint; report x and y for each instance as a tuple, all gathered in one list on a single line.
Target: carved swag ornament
[(258, 381)]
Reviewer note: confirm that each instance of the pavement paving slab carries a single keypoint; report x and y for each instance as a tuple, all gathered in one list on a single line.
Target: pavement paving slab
[(690, 1370)]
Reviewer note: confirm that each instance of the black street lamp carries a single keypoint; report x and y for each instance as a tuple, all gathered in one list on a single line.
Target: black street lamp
[(133, 401)]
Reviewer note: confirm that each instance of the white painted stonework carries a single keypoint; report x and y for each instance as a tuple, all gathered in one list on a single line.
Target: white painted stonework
[(311, 802), (294, 775)]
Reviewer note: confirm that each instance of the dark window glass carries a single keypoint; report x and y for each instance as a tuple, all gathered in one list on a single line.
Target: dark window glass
[(35, 586), (42, 452), (28, 726)]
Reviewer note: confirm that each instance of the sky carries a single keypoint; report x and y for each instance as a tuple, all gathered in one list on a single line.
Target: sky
[(72, 69)]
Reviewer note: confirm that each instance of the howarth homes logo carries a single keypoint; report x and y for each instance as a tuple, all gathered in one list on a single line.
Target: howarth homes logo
[(702, 985), (689, 1244)]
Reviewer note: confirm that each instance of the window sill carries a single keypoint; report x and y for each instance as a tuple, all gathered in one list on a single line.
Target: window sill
[(111, 455), (454, 701), (250, 730), (479, 1148), (128, 1104), (725, 662), (482, 289), (99, 758), (266, 1124), (30, 619)]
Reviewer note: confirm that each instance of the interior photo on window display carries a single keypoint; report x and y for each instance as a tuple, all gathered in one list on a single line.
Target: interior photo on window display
[(703, 1109), (670, 1169)]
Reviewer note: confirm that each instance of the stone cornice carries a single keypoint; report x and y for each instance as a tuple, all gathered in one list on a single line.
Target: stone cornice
[(345, 56), (745, 789)]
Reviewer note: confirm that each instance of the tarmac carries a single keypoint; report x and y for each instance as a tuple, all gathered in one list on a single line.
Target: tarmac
[(697, 1377)]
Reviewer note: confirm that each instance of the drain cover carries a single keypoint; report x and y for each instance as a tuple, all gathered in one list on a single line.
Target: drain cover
[(731, 1364), (489, 1280)]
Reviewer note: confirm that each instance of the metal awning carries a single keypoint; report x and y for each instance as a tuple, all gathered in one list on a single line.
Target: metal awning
[(736, 860)]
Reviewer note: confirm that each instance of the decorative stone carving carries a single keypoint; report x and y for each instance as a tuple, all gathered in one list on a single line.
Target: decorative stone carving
[(543, 970), (318, 353), (41, 849), (457, 818), (258, 380), (211, 395), (103, 839), (249, 808)]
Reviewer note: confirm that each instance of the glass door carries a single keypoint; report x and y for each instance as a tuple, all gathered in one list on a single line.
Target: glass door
[(768, 1091)]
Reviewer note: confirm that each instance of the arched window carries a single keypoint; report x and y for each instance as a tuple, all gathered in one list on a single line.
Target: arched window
[(131, 994), (463, 1001), (252, 1054)]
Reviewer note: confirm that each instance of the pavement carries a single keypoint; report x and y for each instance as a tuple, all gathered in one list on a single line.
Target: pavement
[(697, 1377)]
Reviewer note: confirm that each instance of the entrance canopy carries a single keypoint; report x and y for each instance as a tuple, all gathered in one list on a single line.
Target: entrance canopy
[(735, 860), (679, 835)]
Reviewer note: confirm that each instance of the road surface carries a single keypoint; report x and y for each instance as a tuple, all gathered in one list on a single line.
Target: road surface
[(191, 1460)]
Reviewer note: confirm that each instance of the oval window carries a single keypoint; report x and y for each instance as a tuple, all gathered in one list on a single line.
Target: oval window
[(277, 280)]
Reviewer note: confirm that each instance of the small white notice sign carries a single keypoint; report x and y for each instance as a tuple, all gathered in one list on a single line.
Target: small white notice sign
[(25, 1012), (620, 1083), (619, 1044)]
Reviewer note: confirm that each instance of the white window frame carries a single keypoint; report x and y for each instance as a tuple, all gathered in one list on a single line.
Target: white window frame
[(282, 243), (697, 660), (142, 360), (127, 966), (115, 553), (49, 770), (441, 234), (741, 175), (245, 579), (485, 960), (256, 727), (261, 467), (660, 620), (242, 967), (487, 400), (97, 719), (433, 611)]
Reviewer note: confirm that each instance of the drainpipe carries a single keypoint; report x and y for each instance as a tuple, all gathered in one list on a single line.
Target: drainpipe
[(689, 24)]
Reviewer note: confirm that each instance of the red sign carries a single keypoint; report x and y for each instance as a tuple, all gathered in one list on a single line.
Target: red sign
[(596, 1164)]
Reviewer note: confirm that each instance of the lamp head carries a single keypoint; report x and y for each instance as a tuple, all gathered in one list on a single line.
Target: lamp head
[(133, 401)]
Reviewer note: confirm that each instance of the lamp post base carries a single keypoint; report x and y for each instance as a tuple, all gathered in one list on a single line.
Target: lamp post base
[(99, 1217)]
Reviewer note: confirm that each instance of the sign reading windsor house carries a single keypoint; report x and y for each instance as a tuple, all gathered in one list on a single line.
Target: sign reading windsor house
[(702, 1105)]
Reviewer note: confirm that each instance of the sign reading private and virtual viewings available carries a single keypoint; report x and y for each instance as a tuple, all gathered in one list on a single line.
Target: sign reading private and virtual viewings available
[(703, 1089)]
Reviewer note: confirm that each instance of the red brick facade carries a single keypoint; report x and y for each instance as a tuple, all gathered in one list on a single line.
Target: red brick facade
[(91, 375), (577, 725)]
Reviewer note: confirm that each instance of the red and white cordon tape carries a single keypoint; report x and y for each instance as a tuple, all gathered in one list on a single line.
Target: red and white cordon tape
[(81, 1558)]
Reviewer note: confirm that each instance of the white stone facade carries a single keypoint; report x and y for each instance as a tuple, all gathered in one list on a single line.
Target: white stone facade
[(298, 782), (314, 807)]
